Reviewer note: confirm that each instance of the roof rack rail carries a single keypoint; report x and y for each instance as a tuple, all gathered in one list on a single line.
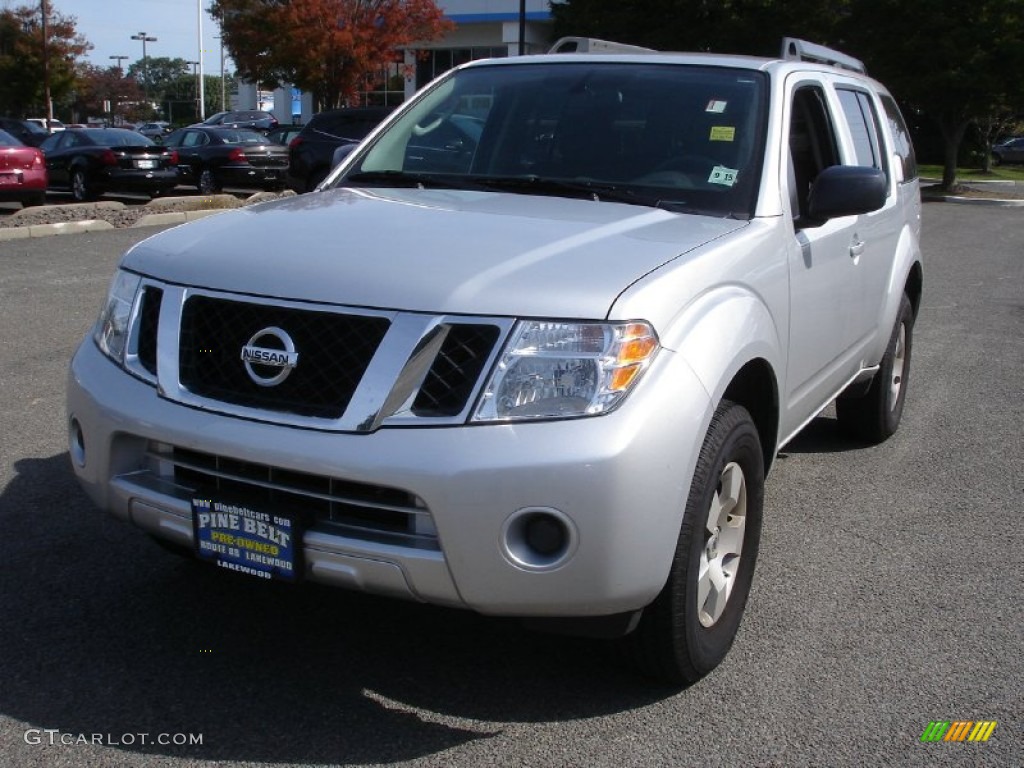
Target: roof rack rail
[(795, 49), (593, 45)]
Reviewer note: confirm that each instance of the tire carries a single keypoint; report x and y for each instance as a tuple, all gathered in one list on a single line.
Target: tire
[(875, 416), (997, 160), (80, 189), (208, 184), (690, 627)]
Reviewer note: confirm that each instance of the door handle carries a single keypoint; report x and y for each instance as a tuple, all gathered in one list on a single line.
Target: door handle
[(856, 248)]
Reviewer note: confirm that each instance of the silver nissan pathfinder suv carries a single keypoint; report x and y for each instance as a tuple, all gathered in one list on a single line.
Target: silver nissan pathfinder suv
[(530, 350)]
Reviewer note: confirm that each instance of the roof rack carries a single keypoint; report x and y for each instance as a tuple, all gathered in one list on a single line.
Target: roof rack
[(593, 45), (794, 49)]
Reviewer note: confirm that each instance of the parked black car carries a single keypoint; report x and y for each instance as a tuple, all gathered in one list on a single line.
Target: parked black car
[(213, 158), (91, 161), (311, 153), (24, 131), (251, 118)]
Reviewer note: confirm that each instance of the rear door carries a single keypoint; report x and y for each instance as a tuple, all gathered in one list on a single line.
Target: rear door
[(877, 232)]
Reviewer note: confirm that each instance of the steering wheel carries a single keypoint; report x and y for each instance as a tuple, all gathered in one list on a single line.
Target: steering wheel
[(423, 130)]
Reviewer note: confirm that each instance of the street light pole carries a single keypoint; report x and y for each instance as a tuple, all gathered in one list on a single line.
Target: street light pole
[(202, 89), (119, 59), (145, 62), (196, 76), (223, 90)]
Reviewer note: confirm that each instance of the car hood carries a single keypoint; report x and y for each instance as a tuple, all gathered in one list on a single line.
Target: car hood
[(428, 250)]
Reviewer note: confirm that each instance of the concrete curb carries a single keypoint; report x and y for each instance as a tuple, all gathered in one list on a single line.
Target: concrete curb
[(999, 203), (50, 230), (175, 217), (214, 204)]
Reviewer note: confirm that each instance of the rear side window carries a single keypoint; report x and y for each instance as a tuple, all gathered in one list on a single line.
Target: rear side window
[(902, 145)]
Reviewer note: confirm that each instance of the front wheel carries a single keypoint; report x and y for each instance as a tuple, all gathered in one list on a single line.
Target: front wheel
[(875, 415), (208, 184), (691, 625), (80, 189)]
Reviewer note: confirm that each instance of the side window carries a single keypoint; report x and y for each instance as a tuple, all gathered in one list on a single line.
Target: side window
[(812, 143), (865, 128), (901, 138)]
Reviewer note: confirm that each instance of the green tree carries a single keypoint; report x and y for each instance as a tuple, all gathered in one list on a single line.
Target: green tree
[(329, 47), (97, 85), (22, 81), (958, 62), (754, 27)]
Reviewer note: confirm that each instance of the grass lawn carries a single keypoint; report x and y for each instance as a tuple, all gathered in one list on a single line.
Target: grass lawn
[(998, 173)]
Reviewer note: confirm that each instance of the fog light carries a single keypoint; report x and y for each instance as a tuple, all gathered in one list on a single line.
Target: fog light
[(538, 538), (76, 442)]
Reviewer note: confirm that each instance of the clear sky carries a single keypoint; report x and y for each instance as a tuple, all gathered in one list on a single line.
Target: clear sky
[(109, 25)]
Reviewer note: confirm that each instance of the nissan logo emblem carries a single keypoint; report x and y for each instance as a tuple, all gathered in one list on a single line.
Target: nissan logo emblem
[(277, 360)]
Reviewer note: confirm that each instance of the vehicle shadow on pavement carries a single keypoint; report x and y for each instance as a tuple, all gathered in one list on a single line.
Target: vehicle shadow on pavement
[(822, 435), (106, 633)]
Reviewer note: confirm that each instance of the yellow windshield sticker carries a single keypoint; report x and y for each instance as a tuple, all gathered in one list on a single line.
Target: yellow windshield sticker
[(723, 133)]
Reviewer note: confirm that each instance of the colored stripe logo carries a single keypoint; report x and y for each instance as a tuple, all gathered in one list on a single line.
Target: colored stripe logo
[(959, 730)]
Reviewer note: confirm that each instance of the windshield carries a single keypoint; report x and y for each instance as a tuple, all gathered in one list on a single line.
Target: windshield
[(684, 138)]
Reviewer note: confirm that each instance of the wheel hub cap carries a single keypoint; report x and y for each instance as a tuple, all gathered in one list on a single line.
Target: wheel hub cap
[(723, 545)]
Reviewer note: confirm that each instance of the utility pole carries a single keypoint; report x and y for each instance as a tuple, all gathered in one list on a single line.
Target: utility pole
[(522, 27), (46, 64)]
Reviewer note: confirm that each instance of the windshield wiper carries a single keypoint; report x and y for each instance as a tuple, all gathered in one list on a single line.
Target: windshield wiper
[(406, 179), (538, 185)]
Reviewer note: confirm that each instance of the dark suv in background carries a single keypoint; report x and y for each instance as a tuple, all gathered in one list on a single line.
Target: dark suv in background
[(311, 153), (27, 133)]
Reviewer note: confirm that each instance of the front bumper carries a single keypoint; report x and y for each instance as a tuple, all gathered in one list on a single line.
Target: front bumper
[(619, 482)]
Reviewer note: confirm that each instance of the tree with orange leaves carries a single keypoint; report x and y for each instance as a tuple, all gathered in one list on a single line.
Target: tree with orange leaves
[(328, 47)]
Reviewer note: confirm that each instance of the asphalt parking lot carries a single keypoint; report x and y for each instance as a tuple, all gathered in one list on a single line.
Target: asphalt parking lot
[(887, 594)]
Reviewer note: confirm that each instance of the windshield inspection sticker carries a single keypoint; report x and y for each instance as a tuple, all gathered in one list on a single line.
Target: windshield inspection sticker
[(722, 175), (723, 133), (716, 106)]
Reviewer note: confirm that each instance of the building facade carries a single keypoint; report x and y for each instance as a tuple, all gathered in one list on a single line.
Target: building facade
[(483, 29)]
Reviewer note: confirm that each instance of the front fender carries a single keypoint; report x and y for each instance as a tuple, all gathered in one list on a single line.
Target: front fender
[(724, 330)]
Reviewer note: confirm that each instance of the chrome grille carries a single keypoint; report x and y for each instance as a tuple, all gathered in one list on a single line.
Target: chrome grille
[(356, 510), (149, 317), (334, 351), (455, 371)]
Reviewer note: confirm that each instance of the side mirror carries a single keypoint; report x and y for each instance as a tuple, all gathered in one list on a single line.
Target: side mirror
[(845, 190)]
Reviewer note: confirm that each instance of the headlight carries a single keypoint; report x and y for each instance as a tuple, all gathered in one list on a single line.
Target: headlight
[(112, 328), (563, 370)]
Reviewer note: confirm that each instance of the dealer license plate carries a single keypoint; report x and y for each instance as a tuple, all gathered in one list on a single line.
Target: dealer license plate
[(247, 538), (145, 163)]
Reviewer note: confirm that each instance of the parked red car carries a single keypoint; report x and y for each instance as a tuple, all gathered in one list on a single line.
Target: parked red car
[(22, 172)]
